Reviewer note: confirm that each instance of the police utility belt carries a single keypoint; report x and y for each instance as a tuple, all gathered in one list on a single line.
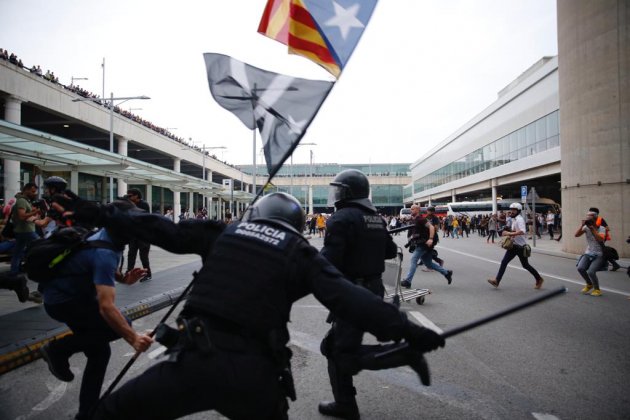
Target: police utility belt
[(206, 335)]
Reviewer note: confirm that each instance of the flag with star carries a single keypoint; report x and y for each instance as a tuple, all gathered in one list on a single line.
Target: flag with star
[(324, 31), (281, 107)]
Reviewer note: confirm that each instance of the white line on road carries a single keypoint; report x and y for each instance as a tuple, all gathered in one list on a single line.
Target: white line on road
[(55, 395), (543, 416), (545, 275), (155, 353), (426, 322)]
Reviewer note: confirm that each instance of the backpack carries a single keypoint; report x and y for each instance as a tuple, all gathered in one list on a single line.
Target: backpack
[(8, 230), (45, 257)]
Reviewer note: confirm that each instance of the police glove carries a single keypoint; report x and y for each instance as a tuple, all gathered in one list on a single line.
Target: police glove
[(423, 339)]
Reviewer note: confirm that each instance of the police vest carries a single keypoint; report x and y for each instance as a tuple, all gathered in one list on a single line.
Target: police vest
[(246, 276), (366, 240)]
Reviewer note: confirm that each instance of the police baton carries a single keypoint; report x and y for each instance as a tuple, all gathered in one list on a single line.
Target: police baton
[(151, 334), (400, 229), (474, 324)]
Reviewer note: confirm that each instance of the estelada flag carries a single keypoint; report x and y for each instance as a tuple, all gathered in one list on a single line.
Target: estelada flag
[(280, 106), (324, 31)]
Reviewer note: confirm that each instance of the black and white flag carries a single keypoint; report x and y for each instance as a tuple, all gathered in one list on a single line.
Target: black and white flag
[(280, 106)]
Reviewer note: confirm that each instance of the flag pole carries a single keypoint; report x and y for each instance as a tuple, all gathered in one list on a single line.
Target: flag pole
[(254, 189)]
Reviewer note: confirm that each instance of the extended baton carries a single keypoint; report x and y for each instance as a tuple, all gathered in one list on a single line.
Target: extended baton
[(400, 229), (151, 334), (474, 324)]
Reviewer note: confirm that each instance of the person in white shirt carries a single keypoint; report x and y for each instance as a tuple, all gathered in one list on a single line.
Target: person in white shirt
[(550, 223), (517, 231), (593, 258)]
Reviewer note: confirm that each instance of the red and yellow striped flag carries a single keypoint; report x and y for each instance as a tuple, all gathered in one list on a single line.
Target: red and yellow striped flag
[(289, 22)]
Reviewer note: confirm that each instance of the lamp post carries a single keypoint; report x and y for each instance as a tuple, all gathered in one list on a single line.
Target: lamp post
[(310, 186), (291, 165), (110, 104)]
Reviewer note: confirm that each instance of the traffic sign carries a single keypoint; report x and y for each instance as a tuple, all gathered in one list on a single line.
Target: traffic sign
[(523, 193)]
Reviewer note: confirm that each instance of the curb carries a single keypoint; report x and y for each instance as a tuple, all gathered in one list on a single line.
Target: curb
[(26, 351)]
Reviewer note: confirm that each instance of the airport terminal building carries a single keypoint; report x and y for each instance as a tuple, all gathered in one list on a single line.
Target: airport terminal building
[(513, 142)]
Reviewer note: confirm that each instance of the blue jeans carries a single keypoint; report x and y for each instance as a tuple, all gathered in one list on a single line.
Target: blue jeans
[(22, 239), (423, 253)]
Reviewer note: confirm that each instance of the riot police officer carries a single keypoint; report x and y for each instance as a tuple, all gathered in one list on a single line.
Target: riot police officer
[(230, 353), (357, 243)]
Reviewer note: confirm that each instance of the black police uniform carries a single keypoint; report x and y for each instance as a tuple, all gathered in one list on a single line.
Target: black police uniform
[(232, 355), (357, 243)]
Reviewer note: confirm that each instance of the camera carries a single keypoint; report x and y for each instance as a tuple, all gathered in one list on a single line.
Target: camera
[(588, 222)]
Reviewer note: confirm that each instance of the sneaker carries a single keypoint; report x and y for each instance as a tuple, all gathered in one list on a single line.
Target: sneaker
[(586, 289), (596, 292), (449, 276), (60, 368), (539, 283), (35, 297), (406, 284), (147, 277), (493, 282)]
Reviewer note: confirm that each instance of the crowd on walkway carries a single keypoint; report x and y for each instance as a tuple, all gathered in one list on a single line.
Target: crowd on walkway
[(52, 78)]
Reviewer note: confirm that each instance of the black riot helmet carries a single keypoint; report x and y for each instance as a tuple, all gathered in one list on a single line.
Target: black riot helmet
[(55, 184), (351, 186), (280, 208)]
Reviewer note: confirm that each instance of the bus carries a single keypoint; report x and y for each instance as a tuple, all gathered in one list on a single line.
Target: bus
[(473, 208), (405, 213)]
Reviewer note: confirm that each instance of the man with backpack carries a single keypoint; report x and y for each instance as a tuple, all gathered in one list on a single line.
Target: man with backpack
[(23, 217), (81, 293)]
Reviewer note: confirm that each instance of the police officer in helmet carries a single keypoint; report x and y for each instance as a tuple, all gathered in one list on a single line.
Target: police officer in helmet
[(357, 244), (230, 351)]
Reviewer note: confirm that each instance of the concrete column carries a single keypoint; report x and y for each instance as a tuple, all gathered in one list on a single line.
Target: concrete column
[(493, 185), (191, 203), (177, 206), (162, 209), (122, 150), (148, 196), (12, 114), (430, 201), (453, 196), (74, 182), (594, 94)]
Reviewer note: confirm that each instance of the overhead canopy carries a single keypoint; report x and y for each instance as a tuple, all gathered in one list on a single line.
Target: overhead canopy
[(54, 153)]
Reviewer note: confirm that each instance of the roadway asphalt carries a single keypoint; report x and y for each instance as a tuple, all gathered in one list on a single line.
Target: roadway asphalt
[(566, 358)]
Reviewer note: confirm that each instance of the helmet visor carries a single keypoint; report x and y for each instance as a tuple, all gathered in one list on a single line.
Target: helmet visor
[(336, 193)]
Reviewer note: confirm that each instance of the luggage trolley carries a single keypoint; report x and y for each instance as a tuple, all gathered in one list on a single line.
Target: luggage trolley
[(402, 294)]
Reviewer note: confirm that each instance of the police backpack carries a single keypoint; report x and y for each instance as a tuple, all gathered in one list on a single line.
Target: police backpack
[(44, 257)]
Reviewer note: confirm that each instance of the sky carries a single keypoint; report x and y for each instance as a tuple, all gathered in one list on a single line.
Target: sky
[(422, 69)]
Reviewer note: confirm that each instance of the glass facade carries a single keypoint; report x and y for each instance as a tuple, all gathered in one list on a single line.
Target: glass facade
[(535, 137), (387, 198), (331, 169)]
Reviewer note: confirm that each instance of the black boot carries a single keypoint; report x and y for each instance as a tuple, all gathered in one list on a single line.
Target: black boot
[(343, 410), (396, 355)]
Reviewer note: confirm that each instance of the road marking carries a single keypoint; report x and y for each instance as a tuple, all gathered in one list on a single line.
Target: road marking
[(55, 395), (543, 416), (426, 322), (545, 275), (157, 352)]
